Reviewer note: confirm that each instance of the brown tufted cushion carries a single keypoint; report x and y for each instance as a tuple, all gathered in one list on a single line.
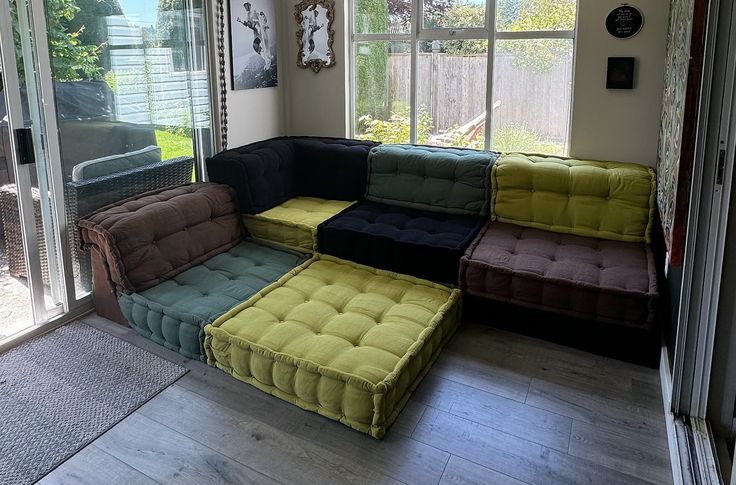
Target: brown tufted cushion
[(152, 237), (585, 277)]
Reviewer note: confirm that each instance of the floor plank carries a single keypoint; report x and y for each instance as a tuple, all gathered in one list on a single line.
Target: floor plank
[(92, 466), (512, 456), (248, 441), (481, 374), (547, 361), (507, 415), (496, 408), (397, 456), (409, 418), (642, 457), (170, 457), (464, 472), (626, 417)]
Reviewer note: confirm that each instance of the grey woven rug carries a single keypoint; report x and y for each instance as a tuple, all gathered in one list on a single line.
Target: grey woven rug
[(60, 391)]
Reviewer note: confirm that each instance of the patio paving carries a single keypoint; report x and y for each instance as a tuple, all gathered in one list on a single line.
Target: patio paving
[(15, 300)]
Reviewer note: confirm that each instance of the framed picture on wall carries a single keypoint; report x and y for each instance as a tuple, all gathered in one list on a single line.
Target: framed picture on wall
[(315, 35), (253, 44)]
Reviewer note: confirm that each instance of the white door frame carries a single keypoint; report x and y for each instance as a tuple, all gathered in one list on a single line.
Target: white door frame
[(44, 128), (709, 205), (22, 173)]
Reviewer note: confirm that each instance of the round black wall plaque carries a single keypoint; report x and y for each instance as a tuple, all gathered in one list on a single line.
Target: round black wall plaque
[(624, 22)]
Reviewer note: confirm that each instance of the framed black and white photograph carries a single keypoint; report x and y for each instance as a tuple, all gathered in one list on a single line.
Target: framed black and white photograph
[(315, 35), (253, 44)]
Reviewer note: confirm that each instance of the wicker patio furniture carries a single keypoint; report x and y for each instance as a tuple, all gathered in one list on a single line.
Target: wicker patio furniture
[(10, 214), (83, 197)]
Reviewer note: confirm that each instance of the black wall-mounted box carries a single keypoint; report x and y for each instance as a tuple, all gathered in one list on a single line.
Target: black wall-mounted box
[(620, 74)]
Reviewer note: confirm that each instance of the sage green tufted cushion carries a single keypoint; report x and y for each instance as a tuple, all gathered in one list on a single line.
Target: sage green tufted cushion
[(174, 312), (607, 200), (347, 341), (445, 180)]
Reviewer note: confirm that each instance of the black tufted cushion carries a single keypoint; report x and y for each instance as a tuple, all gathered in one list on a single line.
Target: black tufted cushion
[(268, 173), (420, 243), (262, 174), (332, 169)]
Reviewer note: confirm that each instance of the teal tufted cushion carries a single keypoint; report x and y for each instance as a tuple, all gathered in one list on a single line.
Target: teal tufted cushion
[(446, 180), (173, 313)]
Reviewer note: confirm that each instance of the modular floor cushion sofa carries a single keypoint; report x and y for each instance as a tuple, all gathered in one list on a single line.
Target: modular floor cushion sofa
[(335, 337), (418, 207), (423, 207), (287, 186), (570, 237), (347, 341), (173, 260)]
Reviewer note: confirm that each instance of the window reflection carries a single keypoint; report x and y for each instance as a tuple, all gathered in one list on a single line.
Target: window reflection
[(132, 94)]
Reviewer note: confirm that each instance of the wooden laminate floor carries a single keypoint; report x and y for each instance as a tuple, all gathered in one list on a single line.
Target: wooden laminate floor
[(496, 408)]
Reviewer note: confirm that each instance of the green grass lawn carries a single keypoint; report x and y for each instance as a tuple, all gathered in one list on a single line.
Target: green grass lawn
[(173, 145)]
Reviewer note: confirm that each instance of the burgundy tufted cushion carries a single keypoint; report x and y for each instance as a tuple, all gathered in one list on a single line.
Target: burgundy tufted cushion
[(155, 236), (584, 277)]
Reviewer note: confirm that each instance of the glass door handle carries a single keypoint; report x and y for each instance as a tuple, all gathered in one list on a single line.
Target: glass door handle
[(24, 139)]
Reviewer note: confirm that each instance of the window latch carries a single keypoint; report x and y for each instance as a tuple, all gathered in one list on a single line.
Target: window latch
[(721, 166)]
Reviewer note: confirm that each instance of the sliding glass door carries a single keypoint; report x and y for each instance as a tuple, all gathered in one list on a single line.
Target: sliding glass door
[(31, 274), (101, 100), (133, 96)]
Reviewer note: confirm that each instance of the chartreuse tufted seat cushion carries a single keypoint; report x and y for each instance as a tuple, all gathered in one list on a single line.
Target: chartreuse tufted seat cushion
[(607, 200), (174, 312), (294, 222), (334, 337), (444, 180)]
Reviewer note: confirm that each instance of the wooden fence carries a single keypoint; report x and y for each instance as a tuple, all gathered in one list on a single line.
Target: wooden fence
[(453, 90), (148, 90)]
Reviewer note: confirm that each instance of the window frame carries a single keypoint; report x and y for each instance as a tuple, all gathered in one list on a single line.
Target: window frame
[(418, 33)]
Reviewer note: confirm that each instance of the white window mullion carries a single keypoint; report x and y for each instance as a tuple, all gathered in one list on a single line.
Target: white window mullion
[(491, 14), (379, 37), (536, 34), (453, 34), (353, 66), (416, 18)]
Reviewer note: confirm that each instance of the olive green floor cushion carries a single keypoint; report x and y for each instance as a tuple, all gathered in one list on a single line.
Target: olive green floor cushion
[(607, 200), (347, 341), (294, 223), (173, 313)]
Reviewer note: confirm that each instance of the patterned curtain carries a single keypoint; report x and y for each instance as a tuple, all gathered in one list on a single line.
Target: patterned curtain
[(678, 129)]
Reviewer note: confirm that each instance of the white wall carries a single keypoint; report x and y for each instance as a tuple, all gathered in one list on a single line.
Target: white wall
[(610, 125), (317, 104), (255, 114), (618, 124)]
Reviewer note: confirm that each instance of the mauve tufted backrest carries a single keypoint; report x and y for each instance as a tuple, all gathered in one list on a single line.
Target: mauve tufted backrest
[(155, 236), (268, 173)]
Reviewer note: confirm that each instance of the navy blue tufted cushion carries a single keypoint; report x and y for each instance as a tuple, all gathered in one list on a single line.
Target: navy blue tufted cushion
[(420, 243), (268, 173)]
